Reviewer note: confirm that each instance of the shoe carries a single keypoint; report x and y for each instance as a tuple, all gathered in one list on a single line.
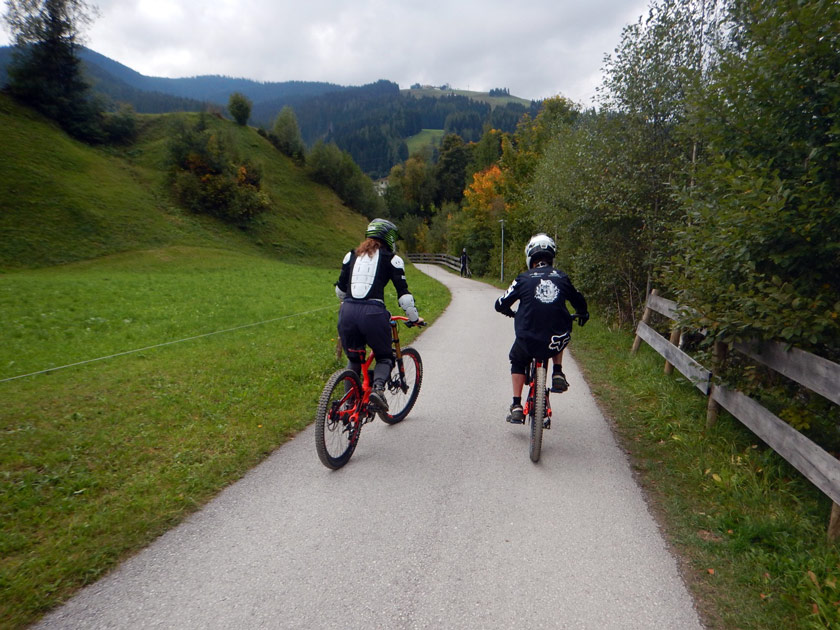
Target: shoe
[(516, 415), (377, 399), (559, 383)]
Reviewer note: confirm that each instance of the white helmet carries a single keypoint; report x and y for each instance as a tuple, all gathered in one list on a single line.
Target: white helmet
[(541, 245)]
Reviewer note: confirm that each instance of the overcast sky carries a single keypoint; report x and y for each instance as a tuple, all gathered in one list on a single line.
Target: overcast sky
[(535, 48)]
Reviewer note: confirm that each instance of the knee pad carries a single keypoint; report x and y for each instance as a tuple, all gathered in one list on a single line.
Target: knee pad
[(355, 355)]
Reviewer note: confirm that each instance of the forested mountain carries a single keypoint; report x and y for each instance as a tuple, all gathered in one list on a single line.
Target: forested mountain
[(370, 122)]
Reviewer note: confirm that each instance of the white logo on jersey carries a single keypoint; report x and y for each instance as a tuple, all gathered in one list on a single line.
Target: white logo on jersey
[(547, 292)]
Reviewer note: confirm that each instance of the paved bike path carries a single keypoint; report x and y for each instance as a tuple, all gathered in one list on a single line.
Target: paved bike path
[(441, 521)]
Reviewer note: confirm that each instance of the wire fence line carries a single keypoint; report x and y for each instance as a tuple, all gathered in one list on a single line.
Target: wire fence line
[(165, 343)]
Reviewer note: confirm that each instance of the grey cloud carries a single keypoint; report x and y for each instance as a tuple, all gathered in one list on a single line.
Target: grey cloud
[(536, 48)]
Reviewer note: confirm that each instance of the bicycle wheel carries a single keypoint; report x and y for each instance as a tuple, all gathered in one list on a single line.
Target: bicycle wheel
[(336, 430), (401, 391), (538, 412)]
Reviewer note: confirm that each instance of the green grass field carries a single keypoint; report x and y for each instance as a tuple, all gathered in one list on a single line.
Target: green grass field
[(101, 458), (426, 138)]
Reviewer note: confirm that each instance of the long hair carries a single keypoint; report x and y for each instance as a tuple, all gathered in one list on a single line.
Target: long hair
[(368, 247)]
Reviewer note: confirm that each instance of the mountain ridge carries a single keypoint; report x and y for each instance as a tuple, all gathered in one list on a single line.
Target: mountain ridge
[(371, 122)]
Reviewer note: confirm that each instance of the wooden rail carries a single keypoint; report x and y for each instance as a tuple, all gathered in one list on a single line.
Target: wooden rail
[(453, 262), (812, 371)]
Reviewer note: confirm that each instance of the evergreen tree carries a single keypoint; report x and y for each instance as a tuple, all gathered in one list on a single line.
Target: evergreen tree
[(46, 71)]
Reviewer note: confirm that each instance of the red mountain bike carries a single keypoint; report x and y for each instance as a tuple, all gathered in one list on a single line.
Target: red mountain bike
[(345, 402), (537, 406)]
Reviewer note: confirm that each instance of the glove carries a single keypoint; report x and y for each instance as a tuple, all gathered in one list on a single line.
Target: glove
[(582, 318)]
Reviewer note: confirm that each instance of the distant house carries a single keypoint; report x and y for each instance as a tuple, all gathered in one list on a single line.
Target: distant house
[(382, 185)]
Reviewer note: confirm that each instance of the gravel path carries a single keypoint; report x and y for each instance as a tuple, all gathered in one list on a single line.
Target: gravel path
[(441, 521)]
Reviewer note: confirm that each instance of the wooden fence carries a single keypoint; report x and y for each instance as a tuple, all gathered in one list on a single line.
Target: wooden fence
[(453, 262), (814, 372)]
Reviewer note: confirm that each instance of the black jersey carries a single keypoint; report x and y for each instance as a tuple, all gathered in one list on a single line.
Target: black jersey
[(542, 294), (365, 277)]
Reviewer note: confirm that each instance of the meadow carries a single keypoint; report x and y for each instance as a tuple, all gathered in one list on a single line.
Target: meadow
[(428, 138), (100, 458)]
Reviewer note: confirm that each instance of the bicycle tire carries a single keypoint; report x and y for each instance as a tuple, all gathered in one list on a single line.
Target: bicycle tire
[(538, 413), (336, 432), (401, 396)]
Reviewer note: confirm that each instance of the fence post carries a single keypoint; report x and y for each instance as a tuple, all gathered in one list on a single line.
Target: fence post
[(834, 523), (645, 319), (713, 408), (675, 340)]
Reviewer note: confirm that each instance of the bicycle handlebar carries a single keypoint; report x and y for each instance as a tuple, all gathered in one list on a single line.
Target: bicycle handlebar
[(408, 322)]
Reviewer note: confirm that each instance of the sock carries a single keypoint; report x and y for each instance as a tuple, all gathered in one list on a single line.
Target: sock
[(558, 369), (517, 400)]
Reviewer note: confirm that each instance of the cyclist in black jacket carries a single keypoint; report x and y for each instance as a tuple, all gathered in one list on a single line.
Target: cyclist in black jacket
[(363, 319), (542, 323)]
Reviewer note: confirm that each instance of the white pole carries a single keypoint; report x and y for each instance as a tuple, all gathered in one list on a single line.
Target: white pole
[(502, 273)]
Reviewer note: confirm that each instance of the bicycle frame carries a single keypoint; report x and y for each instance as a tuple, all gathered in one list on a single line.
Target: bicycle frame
[(363, 410), (529, 402)]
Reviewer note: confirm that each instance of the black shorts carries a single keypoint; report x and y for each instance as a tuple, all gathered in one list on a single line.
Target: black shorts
[(520, 358), (363, 324)]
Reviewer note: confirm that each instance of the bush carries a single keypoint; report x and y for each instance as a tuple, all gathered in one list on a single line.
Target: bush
[(286, 135), (208, 178), (239, 107), (120, 127)]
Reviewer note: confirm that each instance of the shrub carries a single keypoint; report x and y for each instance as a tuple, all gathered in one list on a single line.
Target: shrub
[(208, 178)]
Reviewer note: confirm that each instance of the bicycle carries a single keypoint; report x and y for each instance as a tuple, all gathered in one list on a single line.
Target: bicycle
[(344, 406), (538, 407)]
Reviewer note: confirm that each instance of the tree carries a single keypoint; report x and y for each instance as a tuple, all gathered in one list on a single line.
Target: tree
[(329, 165), (239, 107), (287, 135), (759, 253), (46, 72), (451, 170)]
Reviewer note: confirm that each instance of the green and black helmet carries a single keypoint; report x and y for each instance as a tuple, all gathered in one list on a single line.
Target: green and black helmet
[(383, 230)]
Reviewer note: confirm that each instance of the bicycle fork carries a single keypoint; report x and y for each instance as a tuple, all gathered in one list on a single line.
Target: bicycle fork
[(398, 357)]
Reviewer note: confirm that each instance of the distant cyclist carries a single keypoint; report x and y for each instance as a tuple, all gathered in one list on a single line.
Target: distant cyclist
[(465, 263), (363, 319), (541, 322)]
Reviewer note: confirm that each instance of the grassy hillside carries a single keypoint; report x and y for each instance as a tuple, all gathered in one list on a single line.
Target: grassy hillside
[(427, 137), (64, 201)]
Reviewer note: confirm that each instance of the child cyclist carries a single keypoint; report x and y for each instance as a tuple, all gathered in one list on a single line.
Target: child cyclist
[(541, 322)]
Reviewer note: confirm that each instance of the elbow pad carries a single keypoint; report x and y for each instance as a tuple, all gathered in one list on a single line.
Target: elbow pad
[(340, 294), (406, 302)]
